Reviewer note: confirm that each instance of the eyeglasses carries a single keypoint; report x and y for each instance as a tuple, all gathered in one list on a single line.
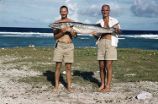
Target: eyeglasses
[(105, 10)]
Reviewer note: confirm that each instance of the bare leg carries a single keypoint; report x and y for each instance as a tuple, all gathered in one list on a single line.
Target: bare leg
[(68, 77), (109, 75), (102, 74), (57, 75)]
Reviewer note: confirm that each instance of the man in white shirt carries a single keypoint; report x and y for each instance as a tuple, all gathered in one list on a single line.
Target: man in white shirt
[(107, 51)]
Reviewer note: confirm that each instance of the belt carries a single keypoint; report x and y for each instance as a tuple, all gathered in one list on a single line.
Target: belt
[(63, 42), (106, 37)]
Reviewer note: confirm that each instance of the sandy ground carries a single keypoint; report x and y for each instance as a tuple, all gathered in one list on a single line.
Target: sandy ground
[(14, 92)]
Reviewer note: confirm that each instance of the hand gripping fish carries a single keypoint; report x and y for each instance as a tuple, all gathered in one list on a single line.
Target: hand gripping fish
[(82, 28)]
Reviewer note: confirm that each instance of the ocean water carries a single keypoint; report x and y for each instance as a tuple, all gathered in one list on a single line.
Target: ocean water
[(128, 39)]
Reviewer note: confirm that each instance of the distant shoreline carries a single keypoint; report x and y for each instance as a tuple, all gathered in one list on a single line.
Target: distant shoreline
[(48, 30)]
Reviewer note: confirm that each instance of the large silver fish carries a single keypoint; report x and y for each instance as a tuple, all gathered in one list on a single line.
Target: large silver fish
[(82, 28)]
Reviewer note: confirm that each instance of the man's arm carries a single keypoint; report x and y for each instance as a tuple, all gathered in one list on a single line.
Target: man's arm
[(58, 33), (117, 28), (73, 33)]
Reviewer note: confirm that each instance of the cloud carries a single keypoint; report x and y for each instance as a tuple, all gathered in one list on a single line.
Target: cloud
[(39, 13), (116, 9), (145, 8), (67, 1), (27, 13), (73, 10), (94, 10)]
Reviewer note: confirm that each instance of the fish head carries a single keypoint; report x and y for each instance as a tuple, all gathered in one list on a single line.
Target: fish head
[(61, 25), (56, 25)]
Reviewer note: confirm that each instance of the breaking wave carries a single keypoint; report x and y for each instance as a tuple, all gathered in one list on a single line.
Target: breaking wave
[(145, 36), (38, 34), (26, 34)]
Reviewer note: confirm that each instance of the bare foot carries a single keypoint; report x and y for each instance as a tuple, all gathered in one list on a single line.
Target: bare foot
[(105, 90), (101, 88), (71, 90), (55, 89)]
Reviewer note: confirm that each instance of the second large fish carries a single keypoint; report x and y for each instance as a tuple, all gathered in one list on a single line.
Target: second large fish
[(82, 28)]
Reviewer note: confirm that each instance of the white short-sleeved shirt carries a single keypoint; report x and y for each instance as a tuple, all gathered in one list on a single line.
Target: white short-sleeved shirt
[(112, 22)]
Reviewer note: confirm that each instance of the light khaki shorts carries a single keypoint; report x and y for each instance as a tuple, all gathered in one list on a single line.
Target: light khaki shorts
[(64, 52), (106, 51)]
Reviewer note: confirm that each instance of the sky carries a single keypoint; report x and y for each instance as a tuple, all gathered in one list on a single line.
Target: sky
[(132, 14)]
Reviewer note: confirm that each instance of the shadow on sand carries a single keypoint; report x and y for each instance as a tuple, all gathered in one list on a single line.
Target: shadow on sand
[(87, 75), (51, 78)]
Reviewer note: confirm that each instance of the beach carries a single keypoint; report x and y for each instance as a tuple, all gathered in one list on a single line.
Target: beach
[(27, 76), (28, 41)]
